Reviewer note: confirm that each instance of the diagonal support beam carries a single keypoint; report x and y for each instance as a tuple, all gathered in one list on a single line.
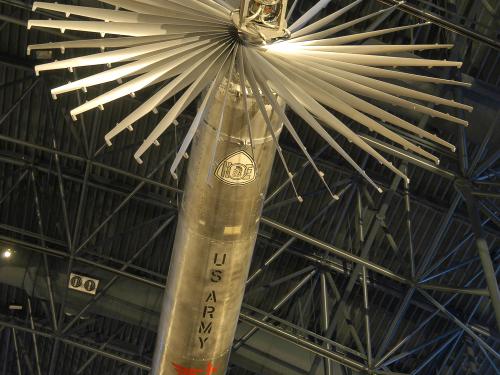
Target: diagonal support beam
[(122, 204), (14, 186), (462, 325), (101, 347), (435, 354), (483, 250), (18, 101), (48, 279), (103, 291), (431, 17), (71, 342), (292, 240), (423, 265), (359, 261), (314, 348), (276, 307)]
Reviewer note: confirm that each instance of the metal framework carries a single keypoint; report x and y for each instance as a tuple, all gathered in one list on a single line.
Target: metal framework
[(323, 263)]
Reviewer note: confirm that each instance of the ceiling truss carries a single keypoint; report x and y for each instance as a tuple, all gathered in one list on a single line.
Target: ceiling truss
[(323, 261)]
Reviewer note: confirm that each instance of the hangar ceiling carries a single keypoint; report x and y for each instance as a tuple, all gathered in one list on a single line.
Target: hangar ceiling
[(69, 204)]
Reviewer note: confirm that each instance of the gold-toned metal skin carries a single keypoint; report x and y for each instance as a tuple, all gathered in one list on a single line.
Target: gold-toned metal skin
[(216, 232)]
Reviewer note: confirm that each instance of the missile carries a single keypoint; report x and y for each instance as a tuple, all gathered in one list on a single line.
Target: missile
[(216, 233)]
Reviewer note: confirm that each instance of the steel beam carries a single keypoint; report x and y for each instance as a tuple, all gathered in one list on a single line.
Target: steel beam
[(437, 264), (312, 347), (335, 250), (160, 285), (81, 119), (434, 314), (325, 321), (25, 356), (419, 348), (287, 181), (437, 20), (382, 224), (337, 268), (450, 289), (409, 231), (85, 160), (490, 361), (139, 186), (14, 186), (72, 247), (418, 199), (492, 212), (485, 194), (347, 316), (16, 348), (65, 255), (18, 101), (370, 238), (486, 164), (434, 355), (99, 186), (450, 269), (60, 183), (110, 283), (438, 239), (276, 307), (290, 242), (442, 369), (359, 264), (76, 344), (458, 322), (101, 347), (6, 350), (255, 312), (410, 293), (305, 302), (281, 280), (366, 307), (35, 341), (480, 153), (483, 250), (48, 280), (244, 317)]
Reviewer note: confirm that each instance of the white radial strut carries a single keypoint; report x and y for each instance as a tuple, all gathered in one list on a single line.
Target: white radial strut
[(183, 47)]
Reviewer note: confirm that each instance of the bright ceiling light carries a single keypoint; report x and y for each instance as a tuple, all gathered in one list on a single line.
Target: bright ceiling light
[(189, 45), (7, 254)]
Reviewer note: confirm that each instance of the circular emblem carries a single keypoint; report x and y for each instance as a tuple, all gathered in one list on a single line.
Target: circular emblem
[(237, 168), (76, 281), (89, 285)]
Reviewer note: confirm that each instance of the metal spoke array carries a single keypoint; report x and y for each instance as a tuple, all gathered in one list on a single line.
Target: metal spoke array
[(420, 285)]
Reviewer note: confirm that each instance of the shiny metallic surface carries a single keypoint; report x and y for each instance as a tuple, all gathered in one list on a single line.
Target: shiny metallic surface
[(260, 21), (217, 228)]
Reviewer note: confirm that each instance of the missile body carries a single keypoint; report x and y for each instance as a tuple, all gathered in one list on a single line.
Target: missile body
[(216, 232)]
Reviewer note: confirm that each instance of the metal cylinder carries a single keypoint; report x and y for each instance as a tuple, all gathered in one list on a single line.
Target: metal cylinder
[(218, 222)]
